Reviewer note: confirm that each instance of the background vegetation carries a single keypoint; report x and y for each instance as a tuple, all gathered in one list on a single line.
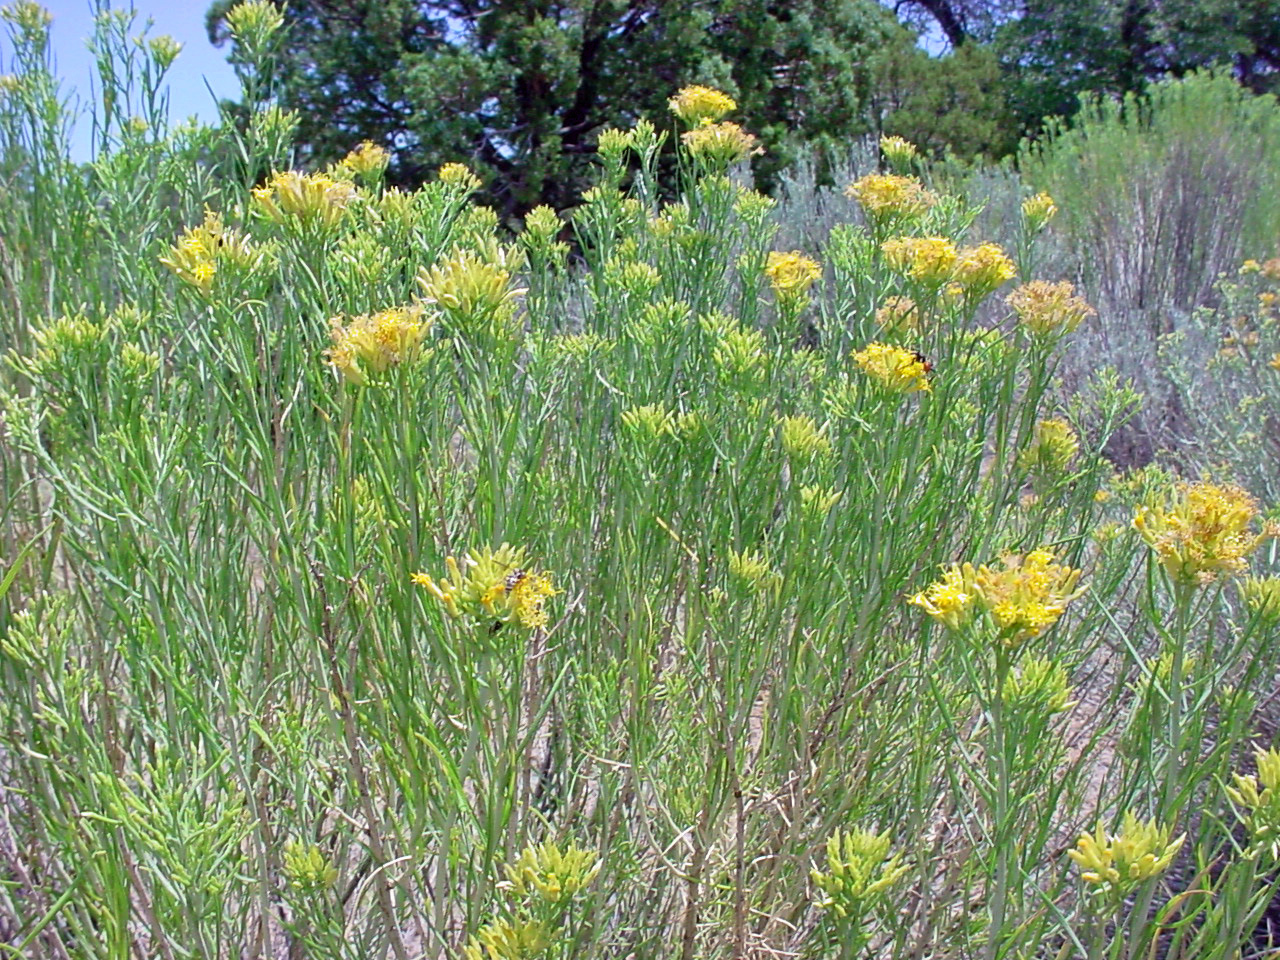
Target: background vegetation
[(519, 90)]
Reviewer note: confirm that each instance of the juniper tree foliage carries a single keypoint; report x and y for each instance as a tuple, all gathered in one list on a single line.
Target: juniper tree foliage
[(519, 89)]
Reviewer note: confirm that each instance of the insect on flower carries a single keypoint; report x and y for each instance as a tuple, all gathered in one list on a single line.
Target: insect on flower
[(923, 361), (515, 578)]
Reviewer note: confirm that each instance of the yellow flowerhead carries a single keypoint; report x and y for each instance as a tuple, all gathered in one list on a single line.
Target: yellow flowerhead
[(898, 315), (1038, 687), (895, 369), (254, 22), (802, 441), (1037, 211), (818, 501), (753, 206), (27, 15), (308, 198), (720, 145), (899, 152), (1027, 595), (887, 196), (791, 274), (753, 570), (697, 105), (367, 161), (1049, 309), (649, 423), (1202, 531), (1116, 863), (1262, 597), (950, 600), (497, 586), (508, 940), (930, 261), (475, 291), (546, 873), (981, 269), (459, 175), (860, 871), (197, 255), (1260, 809), (738, 353), (371, 344), (164, 50), (1274, 362), (307, 869), (1052, 449)]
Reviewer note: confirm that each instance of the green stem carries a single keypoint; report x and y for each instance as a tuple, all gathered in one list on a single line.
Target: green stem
[(1001, 777), (1184, 594)]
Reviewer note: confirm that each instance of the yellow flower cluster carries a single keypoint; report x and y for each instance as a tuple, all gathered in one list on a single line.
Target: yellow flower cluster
[(367, 160), (1052, 449), (1038, 687), (980, 270), (1274, 362), (1023, 598), (497, 585), (1260, 809), (542, 877), (930, 261), (739, 354), (27, 15), (542, 225), (1028, 595), (1119, 862), (696, 105), (1270, 269), (311, 198), (895, 369), (898, 315), (791, 274), (933, 261), (887, 196), (650, 422), (546, 873), (802, 441), (818, 501), (1037, 211), (1202, 531), (459, 175), (254, 21), (475, 291), (1049, 309), (951, 599), (307, 869), (371, 344), (1262, 596), (508, 940), (898, 151), (721, 144), (753, 569), (200, 251), (860, 870)]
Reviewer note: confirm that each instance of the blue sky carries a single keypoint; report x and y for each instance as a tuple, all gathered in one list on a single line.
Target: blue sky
[(181, 19)]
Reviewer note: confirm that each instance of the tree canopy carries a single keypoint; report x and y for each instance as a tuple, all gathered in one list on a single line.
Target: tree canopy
[(520, 89), (1051, 51)]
